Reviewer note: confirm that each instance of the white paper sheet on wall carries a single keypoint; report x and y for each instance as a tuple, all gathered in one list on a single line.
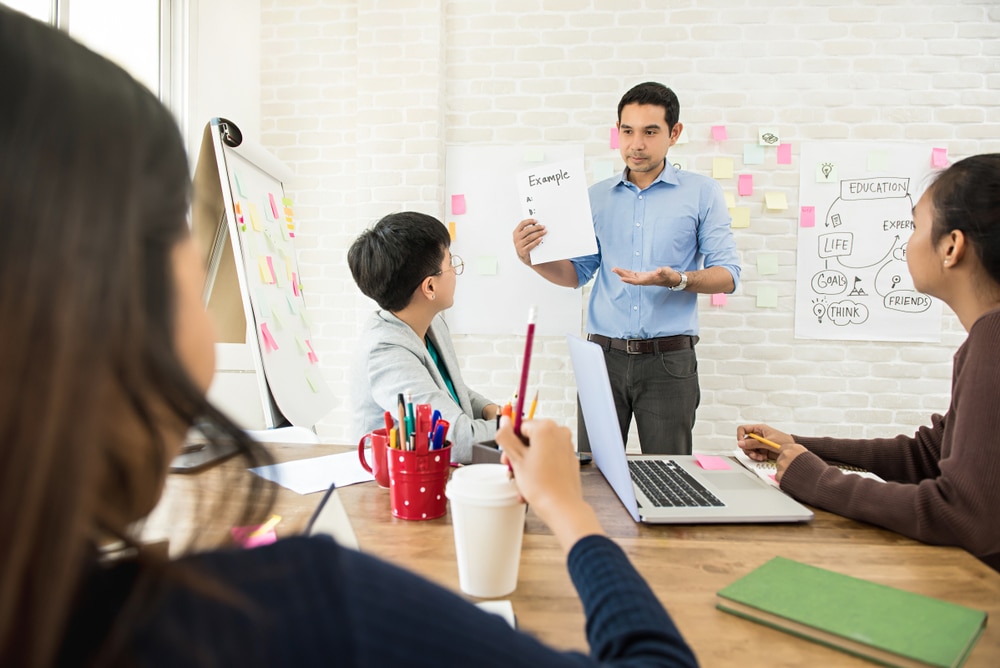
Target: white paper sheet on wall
[(555, 194), (496, 290)]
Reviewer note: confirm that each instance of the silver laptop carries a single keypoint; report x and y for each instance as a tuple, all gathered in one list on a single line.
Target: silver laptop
[(669, 489)]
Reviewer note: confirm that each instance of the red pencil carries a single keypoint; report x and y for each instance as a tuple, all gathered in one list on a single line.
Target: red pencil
[(523, 388)]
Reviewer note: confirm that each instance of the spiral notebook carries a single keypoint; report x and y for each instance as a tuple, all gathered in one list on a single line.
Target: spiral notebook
[(767, 470)]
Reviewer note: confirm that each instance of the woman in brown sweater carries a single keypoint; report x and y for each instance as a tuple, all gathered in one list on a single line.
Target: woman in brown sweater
[(943, 483)]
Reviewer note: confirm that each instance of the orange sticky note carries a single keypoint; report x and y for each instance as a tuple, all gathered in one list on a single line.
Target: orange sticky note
[(712, 462), (451, 229), (458, 204)]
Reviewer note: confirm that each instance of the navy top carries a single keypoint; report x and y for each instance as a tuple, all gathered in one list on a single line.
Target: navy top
[(310, 602)]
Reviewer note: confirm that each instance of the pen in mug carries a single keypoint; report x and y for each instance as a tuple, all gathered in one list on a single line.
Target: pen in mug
[(402, 421)]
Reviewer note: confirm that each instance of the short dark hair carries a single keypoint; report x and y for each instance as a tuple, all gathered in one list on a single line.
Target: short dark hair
[(390, 260), (966, 197), (655, 94)]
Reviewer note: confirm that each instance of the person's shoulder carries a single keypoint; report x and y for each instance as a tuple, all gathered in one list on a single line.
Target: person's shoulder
[(696, 180), (984, 335)]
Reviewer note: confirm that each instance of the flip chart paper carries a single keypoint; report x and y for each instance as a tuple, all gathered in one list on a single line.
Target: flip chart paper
[(556, 196)]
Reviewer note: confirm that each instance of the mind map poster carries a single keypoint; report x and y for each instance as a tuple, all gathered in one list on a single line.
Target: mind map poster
[(857, 216)]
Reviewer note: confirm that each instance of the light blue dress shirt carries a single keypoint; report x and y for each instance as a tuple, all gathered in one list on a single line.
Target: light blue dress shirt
[(680, 221)]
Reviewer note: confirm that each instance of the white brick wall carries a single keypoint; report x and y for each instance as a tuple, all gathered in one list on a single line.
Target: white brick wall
[(362, 98)]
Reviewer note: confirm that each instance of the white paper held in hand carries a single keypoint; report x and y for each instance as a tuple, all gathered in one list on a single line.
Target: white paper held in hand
[(555, 194)]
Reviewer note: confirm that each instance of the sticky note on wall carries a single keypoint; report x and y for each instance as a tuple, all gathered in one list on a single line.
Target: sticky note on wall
[(457, 205), (767, 297), (451, 229), (614, 138), (719, 299), (745, 185), (784, 154), (740, 216), (722, 168), (807, 216), (719, 133)]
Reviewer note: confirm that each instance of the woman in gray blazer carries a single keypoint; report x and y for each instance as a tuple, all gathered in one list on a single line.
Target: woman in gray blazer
[(405, 265)]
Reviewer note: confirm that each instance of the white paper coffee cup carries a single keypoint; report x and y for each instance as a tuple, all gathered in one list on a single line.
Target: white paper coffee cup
[(488, 518)]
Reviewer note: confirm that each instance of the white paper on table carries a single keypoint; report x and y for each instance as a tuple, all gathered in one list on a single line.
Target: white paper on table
[(555, 195), (766, 470), (306, 476)]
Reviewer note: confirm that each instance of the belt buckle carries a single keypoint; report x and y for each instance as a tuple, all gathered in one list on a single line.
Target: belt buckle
[(628, 346)]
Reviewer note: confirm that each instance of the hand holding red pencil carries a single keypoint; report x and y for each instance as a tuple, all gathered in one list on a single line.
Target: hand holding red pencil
[(523, 387)]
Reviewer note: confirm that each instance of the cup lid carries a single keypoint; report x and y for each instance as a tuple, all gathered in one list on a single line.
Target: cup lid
[(488, 484)]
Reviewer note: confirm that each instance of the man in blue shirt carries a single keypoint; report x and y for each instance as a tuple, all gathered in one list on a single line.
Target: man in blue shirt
[(663, 236)]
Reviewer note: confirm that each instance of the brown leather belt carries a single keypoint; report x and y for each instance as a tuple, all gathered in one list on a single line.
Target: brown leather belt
[(665, 344)]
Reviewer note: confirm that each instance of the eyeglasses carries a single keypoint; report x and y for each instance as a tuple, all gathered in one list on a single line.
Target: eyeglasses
[(457, 265)]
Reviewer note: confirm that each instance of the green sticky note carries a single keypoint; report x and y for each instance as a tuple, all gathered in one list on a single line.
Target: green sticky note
[(486, 265), (767, 297), (753, 154), (767, 264)]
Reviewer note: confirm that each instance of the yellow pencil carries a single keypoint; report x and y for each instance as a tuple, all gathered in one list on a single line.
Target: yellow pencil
[(763, 440), (534, 404), (266, 526)]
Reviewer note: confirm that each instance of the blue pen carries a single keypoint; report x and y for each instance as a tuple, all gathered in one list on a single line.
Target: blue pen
[(435, 416), (438, 438)]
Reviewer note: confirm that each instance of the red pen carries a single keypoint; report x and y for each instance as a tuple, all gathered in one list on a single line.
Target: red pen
[(523, 388)]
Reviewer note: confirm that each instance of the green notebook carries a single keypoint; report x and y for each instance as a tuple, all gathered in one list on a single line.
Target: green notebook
[(873, 621)]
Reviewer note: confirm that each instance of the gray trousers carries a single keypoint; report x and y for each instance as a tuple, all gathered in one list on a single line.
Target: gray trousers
[(661, 390)]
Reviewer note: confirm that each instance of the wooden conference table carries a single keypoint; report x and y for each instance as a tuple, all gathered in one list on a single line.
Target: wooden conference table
[(685, 565)]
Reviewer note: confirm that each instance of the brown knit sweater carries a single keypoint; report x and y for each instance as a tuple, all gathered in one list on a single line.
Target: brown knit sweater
[(943, 482)]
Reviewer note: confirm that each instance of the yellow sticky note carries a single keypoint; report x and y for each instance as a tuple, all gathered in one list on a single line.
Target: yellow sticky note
[(265, 271), (722, 168), (254, 216), (767, 297), (730, 200), (775, 201), (740, 215), (451, 229)]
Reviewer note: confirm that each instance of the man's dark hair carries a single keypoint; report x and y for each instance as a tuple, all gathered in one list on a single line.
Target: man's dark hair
[(655, 94), (391, 259)]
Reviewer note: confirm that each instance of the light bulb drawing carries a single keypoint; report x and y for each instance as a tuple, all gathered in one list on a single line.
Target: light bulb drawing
[(826, 169), (819, 309)]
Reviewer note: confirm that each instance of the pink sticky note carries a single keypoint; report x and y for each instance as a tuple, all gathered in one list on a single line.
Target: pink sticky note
[(245, 536), (712, 462), (719, 132), (939, 158), (311, 349), (773, 476), (458, 204), (745, 187), (274, 206), (614, 137), (719, 299), (312, 358), (807, 216), (784, 154), (269, 342), (270, 267), (295, 284)]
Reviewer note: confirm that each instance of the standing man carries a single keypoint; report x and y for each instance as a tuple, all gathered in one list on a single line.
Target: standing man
[(663, 236)]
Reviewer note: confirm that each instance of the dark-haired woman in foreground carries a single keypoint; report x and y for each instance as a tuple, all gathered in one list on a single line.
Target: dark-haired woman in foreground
[(944, 481), (106, 356)]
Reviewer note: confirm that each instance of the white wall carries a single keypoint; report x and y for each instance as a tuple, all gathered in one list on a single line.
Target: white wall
[(361, 99)]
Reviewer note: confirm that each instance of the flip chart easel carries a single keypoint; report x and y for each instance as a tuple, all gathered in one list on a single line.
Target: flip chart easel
[(244, 224)]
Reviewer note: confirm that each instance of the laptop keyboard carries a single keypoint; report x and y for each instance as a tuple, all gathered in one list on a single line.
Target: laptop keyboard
[(668, 485)]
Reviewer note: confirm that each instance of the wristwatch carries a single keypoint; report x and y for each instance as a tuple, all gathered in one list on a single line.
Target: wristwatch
[(680, 286)]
